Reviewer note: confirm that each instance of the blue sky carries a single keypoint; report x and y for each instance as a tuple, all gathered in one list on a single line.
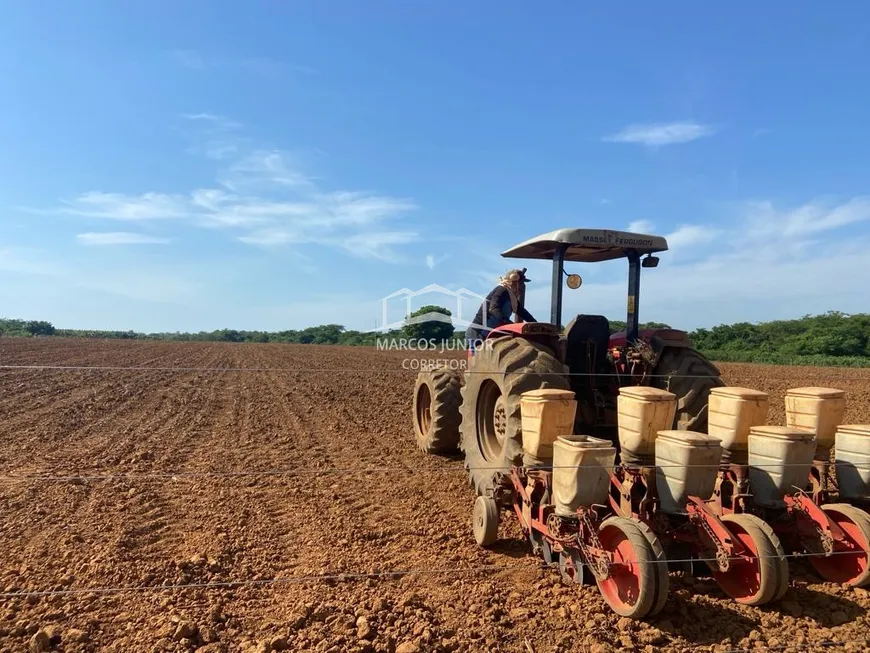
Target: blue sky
[(197, 165)]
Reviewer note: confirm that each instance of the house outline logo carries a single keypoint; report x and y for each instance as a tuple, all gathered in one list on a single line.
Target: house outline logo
[(466, 307)]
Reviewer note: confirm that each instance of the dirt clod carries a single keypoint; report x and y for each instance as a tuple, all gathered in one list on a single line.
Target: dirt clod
[(39, 642), (185, 630)]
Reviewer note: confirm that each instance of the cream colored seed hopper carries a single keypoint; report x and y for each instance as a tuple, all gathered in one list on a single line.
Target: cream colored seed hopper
[(732, 412), (581, 472), (818, 410), (643, 412), (686, 465), (852, 451), (546, 413), (780, 459)]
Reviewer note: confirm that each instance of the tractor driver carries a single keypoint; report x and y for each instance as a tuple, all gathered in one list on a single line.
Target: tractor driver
[(505, 299)]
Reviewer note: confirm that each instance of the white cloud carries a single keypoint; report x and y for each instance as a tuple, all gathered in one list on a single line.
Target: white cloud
[(655, 134), (641, 227), (214, 121), (689, 235), (267, 197), (764, 263), (119, 238), (430, 261), (379, 245), (132, 208), (189, 59), (264, 168), (809, 219)]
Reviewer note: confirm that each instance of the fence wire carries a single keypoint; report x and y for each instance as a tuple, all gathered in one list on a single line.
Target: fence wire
[(381, 575), (826, 644), (326, 471), (378, 370)]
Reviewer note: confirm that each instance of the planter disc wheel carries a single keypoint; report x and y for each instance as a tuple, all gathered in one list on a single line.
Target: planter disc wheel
[(436, 410), (631, 589), (849, 562), (571, 567), (485, 521), (780, 560), (754, 577), (663, 580)]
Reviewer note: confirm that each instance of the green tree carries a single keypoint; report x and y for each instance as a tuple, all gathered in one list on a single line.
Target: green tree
[(433, 325), (40, 328)]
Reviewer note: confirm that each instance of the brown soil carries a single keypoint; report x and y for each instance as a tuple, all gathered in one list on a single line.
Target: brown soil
[(317, 410)]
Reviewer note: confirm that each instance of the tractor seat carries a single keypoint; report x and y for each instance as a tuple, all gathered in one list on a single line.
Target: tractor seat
[(587, 338)]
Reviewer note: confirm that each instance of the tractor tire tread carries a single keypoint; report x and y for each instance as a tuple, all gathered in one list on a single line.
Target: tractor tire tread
[(690, 375), (517, 365), (445, 392)]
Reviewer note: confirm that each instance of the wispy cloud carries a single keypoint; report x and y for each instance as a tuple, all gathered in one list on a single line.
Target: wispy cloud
[(655, 134), (216, 137), (641, 227), (379, 244), (691, 235), (119, 238), (810, 219), (265, 198), (131, 208), (188, 59), (744, 268), (220, 123), (433, 261)]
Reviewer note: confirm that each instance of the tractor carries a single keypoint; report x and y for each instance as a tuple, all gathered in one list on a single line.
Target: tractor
[(479, 410)]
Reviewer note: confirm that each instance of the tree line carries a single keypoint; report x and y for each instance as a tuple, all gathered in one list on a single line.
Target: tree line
[(832, 338)]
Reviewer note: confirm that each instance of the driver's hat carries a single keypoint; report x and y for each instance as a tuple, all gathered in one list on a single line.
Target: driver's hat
[(516, 276)]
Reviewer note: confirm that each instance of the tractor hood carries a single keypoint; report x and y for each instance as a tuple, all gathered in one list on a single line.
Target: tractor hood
[(587, 245)]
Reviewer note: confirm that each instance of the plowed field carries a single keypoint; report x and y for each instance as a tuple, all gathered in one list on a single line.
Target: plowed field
[(171, 474)]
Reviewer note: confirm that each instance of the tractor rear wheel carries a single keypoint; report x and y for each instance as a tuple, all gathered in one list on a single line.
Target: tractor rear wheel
[(436, 410), (491, 428), (689, 375)]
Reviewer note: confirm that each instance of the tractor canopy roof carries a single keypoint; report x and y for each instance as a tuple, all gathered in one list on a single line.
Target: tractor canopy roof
[(587, 245)]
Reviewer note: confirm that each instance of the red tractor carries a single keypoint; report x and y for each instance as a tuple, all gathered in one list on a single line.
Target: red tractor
[(480, 410)]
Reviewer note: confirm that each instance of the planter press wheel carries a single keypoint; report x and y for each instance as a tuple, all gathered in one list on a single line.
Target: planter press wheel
[(760, 575), (844, 566), (664, 580), (571, 568), (632, 588), (485, 521)]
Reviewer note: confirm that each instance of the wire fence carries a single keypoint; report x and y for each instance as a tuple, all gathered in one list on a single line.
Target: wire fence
[(349, 576), (806, 646), (179, 475), (381, 370)]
